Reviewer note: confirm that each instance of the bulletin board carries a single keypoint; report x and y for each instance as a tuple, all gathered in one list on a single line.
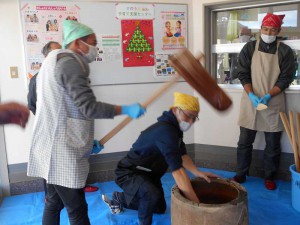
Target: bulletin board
[(108, 23)]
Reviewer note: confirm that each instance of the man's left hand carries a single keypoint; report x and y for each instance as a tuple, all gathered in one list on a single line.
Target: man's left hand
[(97, 147), (265, 99), (207, 175), (14, 113)]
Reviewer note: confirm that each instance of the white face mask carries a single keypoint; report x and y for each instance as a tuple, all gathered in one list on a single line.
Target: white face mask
[(244, 38), (184, 126), (92, 53), (268, 38)]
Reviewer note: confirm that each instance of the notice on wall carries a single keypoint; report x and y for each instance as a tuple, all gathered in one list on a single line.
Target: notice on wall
[(174, 30), (41, 24), (137, 42), (163, 69), (109, 48)]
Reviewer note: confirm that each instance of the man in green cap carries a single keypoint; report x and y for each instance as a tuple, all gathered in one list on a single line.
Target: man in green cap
[(63, 129)]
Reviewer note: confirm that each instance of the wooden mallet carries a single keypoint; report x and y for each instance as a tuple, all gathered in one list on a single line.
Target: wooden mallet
[(193, 72), (290, 131)]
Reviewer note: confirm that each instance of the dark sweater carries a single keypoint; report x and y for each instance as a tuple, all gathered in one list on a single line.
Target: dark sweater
[(161, 144), (158, 147), (285, 61), (31, 96)]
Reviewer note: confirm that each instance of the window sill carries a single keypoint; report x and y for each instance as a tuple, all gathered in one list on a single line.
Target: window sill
[(231, 88), (237, 47)]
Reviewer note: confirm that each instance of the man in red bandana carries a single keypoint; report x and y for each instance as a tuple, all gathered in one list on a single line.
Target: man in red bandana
[(266, 69)]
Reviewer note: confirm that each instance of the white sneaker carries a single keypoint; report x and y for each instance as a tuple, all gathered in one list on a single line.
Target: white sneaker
[(114, 209)]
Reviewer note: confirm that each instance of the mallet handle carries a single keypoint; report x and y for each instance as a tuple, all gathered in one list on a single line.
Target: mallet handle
[(149, 101), (294, 143), (288, 132), (298, 132), (286, 126)]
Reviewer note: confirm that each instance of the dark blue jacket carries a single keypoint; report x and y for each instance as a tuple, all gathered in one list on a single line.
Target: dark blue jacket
[(158, 147), (31, 96)]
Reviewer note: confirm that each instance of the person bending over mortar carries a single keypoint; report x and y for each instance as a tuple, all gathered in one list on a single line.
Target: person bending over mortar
[(158, 147)]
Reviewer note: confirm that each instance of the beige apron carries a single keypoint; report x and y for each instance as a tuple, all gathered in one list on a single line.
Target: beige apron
[(264, 74)]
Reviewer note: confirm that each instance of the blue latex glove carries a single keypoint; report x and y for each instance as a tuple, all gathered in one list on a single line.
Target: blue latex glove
[(134, 110), (265, 99), (97, 147), (254, 99)]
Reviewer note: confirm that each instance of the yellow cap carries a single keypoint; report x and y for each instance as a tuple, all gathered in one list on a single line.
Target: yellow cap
[(186, 102)]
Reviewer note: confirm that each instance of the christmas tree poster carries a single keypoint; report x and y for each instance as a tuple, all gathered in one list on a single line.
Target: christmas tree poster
[(137, 43)]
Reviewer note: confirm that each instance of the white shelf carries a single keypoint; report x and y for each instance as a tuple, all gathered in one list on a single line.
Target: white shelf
[(237, 47), (227, 48), (292, 89), (294, 44)]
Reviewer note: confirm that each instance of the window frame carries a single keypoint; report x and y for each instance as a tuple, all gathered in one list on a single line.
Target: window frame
[(213, 49)]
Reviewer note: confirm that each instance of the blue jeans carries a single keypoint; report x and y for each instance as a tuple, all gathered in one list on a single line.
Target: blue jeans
[(149, 199), (59, 197), (271, 153)]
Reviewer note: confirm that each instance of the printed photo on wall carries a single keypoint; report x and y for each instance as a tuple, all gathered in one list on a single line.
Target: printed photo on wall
[(52, 25), (34, 65), (137, 43), (32, 37), (43, 23), (163, 69), (31, 18), (174, 30), (71, 18)]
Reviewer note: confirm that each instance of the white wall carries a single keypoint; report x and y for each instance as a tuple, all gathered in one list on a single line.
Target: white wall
[(215, 128), (12, 54), (124, 139)]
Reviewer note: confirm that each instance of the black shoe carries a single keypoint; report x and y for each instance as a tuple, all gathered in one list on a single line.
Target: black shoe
[(239, 179)]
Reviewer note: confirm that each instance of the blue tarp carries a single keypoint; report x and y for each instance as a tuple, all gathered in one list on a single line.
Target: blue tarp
[(265, 207)]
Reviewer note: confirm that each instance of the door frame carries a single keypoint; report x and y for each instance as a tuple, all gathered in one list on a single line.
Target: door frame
[(4, 178)]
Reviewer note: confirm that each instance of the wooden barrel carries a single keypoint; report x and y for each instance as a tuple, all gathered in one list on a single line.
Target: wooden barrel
[(223, 202)]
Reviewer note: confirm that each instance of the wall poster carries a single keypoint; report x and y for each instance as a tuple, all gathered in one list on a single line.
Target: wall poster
[(174, 30), (163, 69), (41, 24), (138, 43)]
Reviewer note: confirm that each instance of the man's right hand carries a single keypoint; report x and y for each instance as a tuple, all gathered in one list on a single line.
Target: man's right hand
[(254, 99), (183, 181), (134, 110)]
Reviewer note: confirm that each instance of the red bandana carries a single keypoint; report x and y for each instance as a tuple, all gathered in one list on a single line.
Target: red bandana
[(272, 20)]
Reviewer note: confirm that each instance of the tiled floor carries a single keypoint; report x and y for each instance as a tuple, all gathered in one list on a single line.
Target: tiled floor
[(265, 207)]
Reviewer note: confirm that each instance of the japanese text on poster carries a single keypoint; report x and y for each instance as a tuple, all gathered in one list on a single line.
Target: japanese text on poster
[(134, 11)]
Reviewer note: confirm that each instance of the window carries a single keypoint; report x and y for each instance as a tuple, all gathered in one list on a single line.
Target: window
[(231, 28)]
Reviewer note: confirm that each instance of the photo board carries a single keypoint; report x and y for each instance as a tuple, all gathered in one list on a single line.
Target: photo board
[(115, 26)]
